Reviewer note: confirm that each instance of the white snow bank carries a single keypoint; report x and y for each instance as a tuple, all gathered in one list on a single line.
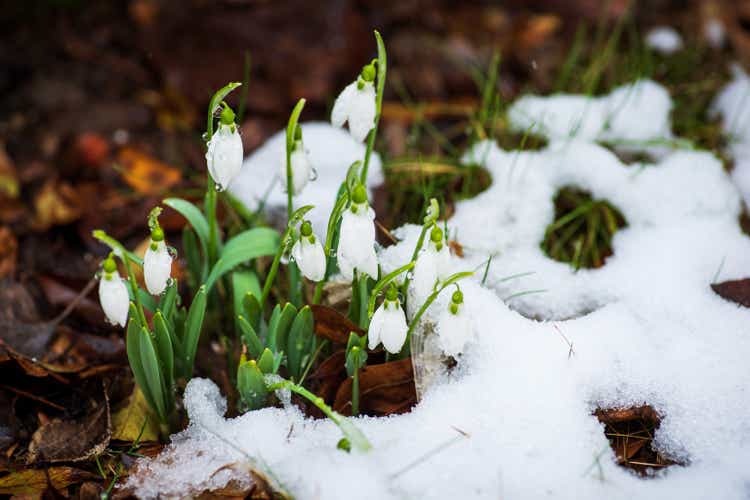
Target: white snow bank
[(637, 112), (652, 331), (664, 39), (331, 151), (733, 104)]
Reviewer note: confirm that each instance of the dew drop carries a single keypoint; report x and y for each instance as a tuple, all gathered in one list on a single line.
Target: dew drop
[(219, 187)]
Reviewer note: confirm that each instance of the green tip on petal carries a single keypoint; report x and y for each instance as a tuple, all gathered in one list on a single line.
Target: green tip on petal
[(227, 115), (359, 195), (157, 234), (392, 293), (368, 73), (109, 265), (436, 235), (306, 229)]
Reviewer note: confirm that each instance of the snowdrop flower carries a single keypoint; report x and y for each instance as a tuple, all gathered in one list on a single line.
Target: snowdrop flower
[(309, 255), (356, 104), (454, 327), (431, 266), (224, 155), (300, 162), (388, 324), (157, 263), (356, 251), (113, 294)]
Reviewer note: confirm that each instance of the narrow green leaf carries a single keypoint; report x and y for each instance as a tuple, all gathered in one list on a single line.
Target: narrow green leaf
[(196, 263), (152, 372), (252, 311), (299, 341), (251, 385), (194, 216), (278, 330), (133, 349), (245, 246), (250, 337), (244, 282), (193, 327), (164, 349), (266, 362), (169, 300)]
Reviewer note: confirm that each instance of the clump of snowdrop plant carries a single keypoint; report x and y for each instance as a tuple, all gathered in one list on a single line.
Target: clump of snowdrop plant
[(278, 344), (454, 326)]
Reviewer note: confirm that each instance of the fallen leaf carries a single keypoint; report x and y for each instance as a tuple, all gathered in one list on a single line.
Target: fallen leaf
[(57, 203), (73, 440), (737, 291), (146, 174), (36, 481), (134, 421), (9, 186), (332, 325), (384, 389), (8, 252), (90, 150)]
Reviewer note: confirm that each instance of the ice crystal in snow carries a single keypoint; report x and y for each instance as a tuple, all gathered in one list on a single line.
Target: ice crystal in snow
[(646, 328)]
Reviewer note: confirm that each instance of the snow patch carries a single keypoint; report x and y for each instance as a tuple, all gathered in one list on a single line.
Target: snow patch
[(645, 328)]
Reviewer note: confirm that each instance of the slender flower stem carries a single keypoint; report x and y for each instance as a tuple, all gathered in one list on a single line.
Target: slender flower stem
[(331, 231), (211, 215), (414, 254), (364, 319), (382, 68), (271, 274), (355, 392), (354, 435), (415, 320), (134, 289), (383, 283)]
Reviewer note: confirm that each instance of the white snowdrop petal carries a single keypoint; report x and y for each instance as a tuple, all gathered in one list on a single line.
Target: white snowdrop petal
[(157, 266), (370, 264), (301, 170), (357, 240), (362, 115), (425, 275), (393, 333), (310, 258), (342, 105), (375, 329), (454, 331), (224, 156), (346, 267), (113, 296)]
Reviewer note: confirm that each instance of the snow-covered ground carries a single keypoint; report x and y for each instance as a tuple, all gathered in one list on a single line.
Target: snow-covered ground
[(645, 328)]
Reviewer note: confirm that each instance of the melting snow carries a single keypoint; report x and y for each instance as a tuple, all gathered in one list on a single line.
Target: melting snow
[(645, 328), (664, 39)]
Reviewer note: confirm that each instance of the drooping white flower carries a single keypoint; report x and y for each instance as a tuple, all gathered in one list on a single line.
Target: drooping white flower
[(356, 104), (388, 324), (224, 155), (432, 265), (113, 294), (301, 168), (309, 255), (454, 327), (356, 250), (157, 263)]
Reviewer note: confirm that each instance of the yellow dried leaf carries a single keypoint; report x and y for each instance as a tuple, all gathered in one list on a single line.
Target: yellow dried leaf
[(128, 420)]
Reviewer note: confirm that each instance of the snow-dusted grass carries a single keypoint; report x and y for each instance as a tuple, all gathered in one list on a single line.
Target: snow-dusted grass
[(646, 327)]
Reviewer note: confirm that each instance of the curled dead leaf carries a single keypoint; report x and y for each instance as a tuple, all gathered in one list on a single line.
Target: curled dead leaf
[(9, 186), (61, 440), (57, 203), (384, 389), (134, 420), (332, 325), (37, 481), (146, 174), (8, 252)]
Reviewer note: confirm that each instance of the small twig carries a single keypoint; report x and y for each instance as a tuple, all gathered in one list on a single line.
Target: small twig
[(438, 449), (571, 352), (73, 303), (38, 399)]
